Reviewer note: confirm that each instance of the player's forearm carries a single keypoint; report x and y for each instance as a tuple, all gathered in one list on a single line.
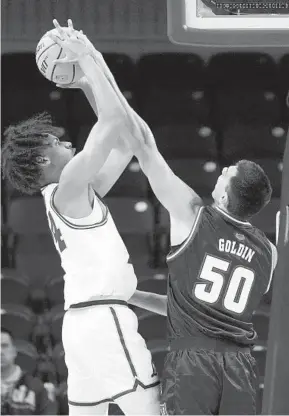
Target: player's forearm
[(107, 102), (107, 72), (111, 171), (150, 301), (117, 160), (87, 90)]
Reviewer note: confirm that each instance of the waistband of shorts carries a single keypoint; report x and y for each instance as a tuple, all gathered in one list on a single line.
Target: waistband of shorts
[(206, 343), (89, 303)]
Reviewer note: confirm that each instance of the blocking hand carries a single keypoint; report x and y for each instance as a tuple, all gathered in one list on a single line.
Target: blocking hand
[(71, 41)]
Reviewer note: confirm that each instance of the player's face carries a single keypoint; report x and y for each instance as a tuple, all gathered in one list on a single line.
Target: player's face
[(59, 153), (8, 351), (219, 194)]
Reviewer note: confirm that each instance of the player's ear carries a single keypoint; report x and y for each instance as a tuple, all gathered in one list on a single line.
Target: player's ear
[(43, 160), (224, 198)]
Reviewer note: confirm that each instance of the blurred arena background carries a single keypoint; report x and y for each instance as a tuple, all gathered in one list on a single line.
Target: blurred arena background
[(207, 108)]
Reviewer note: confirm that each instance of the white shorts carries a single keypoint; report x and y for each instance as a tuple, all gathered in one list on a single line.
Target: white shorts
[(105, 355)]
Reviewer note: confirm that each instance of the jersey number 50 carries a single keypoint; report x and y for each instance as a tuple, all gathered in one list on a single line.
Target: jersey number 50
[(235, 290)]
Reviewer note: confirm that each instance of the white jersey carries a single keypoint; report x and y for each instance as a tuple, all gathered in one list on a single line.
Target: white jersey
[(93, 254)]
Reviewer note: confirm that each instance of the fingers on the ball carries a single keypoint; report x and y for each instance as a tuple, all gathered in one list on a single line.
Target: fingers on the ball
[(60, 30), (56, 39), (64, 60), (70, 24)]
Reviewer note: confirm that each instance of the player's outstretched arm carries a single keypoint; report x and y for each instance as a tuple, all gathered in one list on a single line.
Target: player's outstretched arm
[(182, 202), (121, 154), (150, 301), (80, 171)]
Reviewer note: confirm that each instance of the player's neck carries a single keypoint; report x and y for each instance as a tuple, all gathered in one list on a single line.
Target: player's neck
[(225, 210)]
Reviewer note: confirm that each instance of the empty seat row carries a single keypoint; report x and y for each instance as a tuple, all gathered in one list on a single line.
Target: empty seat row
[(172, 69), (162, 86), (199, 147), (17, 289)]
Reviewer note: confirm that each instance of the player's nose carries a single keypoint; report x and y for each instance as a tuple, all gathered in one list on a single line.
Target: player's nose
[(68, 145)]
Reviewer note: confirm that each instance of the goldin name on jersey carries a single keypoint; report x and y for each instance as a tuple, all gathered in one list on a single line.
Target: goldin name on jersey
[(236, 248)]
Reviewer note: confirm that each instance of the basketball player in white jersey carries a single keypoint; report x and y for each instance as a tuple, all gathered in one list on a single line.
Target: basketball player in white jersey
[(107, 359)]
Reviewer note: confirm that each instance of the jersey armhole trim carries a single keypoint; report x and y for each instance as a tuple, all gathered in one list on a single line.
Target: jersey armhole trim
[(273, 265), (190, 237), (103, 207)]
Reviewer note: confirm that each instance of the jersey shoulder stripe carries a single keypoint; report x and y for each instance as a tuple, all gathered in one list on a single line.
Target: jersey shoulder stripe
[(104, 209), (189, 238)]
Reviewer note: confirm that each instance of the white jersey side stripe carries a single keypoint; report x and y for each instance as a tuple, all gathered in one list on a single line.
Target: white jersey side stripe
[(273, 264), (75, 226), (190, 237)]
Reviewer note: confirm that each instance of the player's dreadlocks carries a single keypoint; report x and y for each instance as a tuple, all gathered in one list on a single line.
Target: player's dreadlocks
[(22, 150)]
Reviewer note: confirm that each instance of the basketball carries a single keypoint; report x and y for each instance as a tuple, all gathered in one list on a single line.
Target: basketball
[(46, 52)]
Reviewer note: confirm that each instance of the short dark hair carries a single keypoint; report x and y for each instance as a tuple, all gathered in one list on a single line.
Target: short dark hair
[(24, 144), (7, 331), (249, 191)]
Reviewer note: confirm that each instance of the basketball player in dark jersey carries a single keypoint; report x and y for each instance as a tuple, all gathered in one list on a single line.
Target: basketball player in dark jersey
[(219, 266)]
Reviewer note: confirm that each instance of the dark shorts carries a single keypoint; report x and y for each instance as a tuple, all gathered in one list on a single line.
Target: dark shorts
[(202, 381)]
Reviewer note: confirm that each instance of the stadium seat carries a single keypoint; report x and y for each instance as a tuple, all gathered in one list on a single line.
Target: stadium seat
[(18, 319), (259, 353), (177, 94), (134, 220), (41, 338), (132, 183), (37, 257), (55, 291), (261, 326), (124, 72), (26, 355), (200, 174), (37, 300), (46, 371), (58, 360), (34, 251), (171, 69), (26, 96), (177, 141), (241, 141), (146, 272), (246, 69), (244, 88), (152, 326), (56, 315), (243, 105), (14, 289), (266, 218), (62, 398), (131, 215), (28, 216)]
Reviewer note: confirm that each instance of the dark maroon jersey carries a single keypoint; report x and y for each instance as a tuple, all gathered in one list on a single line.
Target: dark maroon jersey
[(217, 278)]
